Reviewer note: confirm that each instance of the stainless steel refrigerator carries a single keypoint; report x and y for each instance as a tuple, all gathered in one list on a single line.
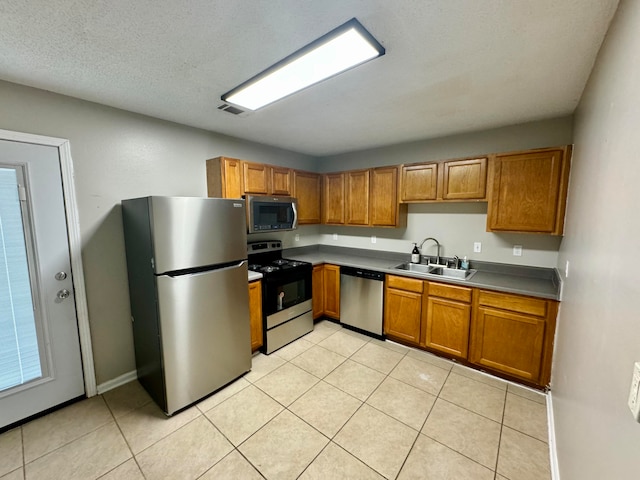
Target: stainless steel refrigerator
[(187, 270)]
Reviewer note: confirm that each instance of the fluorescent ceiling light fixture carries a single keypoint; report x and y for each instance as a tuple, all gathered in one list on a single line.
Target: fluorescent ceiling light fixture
[(341, 49)]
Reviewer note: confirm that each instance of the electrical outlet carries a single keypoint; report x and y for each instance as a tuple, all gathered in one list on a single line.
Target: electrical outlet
[(297, 237), (477, 247), (634, 401), (517, 250), (373, 239), (335, 236), (566, 269)]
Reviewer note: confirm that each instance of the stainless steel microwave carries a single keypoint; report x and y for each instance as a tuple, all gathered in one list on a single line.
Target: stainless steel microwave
[(271, 214)]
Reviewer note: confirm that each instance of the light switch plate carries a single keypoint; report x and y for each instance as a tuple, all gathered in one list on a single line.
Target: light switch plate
[(477, 247), (335, 236), (373, 239), (297, 237), (517, 250)]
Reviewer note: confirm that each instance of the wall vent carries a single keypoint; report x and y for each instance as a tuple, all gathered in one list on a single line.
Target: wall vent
[(231, 109)]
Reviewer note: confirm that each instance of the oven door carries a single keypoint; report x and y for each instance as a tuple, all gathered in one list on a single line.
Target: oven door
[(286, 289)]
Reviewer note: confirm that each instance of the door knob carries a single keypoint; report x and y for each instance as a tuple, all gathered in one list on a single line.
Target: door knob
[(61, 275), (64, 293)]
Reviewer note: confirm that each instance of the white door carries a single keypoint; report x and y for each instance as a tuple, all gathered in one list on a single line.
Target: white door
[(40, 361)]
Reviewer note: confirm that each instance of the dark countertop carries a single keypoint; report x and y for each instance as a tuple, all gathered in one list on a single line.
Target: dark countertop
[(533, 281)]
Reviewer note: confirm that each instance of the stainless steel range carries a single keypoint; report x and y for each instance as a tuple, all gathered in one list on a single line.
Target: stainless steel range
[(286, 294)]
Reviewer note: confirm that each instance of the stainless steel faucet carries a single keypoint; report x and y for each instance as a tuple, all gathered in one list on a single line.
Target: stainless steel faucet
[(437, 244)]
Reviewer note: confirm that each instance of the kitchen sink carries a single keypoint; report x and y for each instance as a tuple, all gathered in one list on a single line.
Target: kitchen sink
[(436, 270)]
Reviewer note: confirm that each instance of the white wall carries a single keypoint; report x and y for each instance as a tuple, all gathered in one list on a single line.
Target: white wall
[(598, 336), (120, 155)]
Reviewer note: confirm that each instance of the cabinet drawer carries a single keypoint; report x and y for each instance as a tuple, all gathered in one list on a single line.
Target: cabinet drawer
[(513, 303), (403, 283), (462, 294)]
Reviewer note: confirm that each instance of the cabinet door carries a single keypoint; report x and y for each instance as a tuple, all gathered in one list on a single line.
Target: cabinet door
[(333, 199), (255, 314), (280, 181), (317, 292), (402, 313), (331, 279), (464, 179), (384, 197), (256, 178), (528, 193), (508, 342), (357, 197), (447, 326), (306, 188), (224, 178), (419, 182)]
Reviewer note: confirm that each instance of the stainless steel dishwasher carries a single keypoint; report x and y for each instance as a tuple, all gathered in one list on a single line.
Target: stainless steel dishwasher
[(361, 293)]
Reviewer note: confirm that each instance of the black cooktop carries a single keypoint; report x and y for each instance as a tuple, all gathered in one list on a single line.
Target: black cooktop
[(266, 257)]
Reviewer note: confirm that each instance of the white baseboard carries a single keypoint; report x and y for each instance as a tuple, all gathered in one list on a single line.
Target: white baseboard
[(553, 452), (118, 381)]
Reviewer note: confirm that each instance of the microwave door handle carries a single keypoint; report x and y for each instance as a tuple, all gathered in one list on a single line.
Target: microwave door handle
[(295, 215)]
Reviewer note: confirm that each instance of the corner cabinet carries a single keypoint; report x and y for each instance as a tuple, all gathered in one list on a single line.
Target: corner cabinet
[(528, 191), (255, 314), (307, 188), (514, 335)]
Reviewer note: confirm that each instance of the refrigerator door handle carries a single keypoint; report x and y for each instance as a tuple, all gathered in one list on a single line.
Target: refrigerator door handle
[(204, 272)]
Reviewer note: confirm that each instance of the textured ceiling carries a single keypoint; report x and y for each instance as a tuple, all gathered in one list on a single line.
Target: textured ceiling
[(451, 66)]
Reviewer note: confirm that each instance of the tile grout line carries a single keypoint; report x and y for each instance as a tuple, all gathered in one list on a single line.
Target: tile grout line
[(64, 444)]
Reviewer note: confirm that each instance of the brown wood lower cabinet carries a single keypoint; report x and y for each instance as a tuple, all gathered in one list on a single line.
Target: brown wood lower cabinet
[(512, 334), (255, 314), (403, 301), (317, 291), (326, 291), (331, 280), (447, 320)]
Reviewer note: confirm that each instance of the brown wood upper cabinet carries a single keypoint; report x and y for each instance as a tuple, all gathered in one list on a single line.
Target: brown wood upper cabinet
[(333, 199), (357, 195), (386, 211), (281, 181), (307, 188), (366, 198), (224, 178), (255, 178), (528, 191), (453, 180)]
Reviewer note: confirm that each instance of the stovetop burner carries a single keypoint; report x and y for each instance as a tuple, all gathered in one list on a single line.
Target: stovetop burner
[(266, 257)]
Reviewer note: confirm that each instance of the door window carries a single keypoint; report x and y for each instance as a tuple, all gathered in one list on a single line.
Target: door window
[(19, 352)]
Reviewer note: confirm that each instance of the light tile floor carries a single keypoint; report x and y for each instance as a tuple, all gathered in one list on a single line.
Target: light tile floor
[(332, 405)]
